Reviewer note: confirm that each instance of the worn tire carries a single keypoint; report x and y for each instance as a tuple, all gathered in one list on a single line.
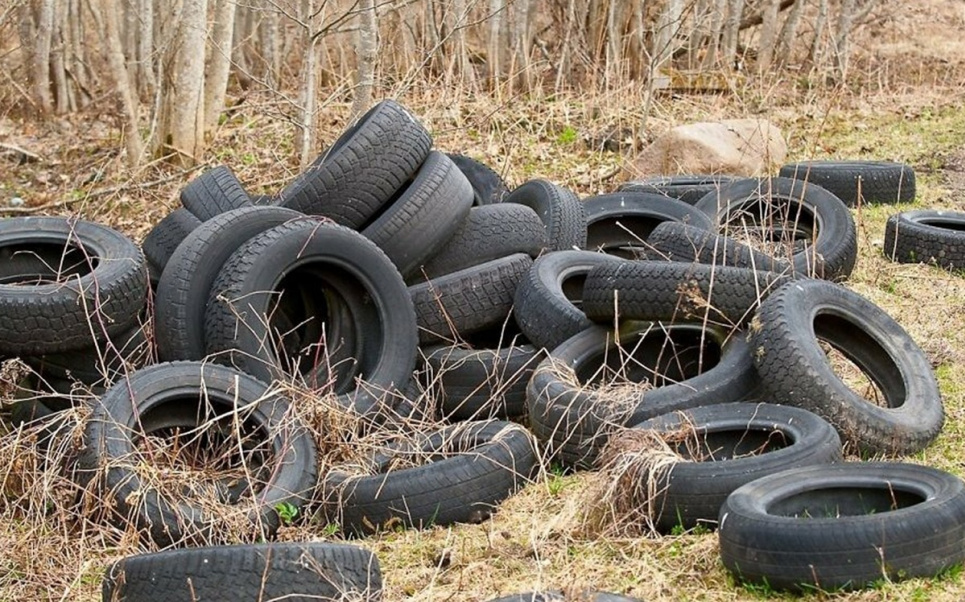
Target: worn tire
[(294, 572), (186, 395), (92, 284), (775, 206), (619, 223), (574, 418), (182, 293), (549, 299), (672, 291), (795, 370), (722, 447), (472, 466), (363, 169), (924, 236), (213, 192), (877, 181), (164, 238), (488, 186), (475, 384), (424, 216), (560, 209), (465, 302), (99, 365), (368, 325), (688, 189), (488, 232), (845, 526), (674, 241)]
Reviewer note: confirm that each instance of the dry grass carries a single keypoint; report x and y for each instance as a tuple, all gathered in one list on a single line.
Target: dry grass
[(540, 537)]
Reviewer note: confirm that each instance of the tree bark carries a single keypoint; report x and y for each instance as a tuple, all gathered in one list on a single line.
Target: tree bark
[(711, 57), (145, 49), (122, 83), (367, 51), (62, 91), (785, 44), (182, 119), (665, 38), (497, 9), (820, 22), (768, 37), (219, 62), (40, 70), (842, 48), (731, 33)]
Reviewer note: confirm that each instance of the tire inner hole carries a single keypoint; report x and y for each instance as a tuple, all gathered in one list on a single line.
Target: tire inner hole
[(38, 263), (728, 443), (201, 449), (778, 227), (859, 361), (834, 502)]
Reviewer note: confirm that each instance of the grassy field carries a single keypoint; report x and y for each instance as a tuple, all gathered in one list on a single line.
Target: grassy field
[(542, 537)]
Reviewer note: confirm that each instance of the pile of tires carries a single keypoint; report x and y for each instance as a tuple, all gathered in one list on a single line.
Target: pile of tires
[(473, 330)]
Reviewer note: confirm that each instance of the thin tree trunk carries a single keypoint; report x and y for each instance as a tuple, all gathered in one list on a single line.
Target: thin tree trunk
[(129, 36), (58, 60), (842, 48), (566, 44), (785, 43), (497, 9), (269, 38), (768, 37), (182, 122), (459, 63), (713, 36), (820, 23), (519, 43), (614, 56), (107, 17), (668, 26), (41, 55), (306, 135), (145, 49), (367, 51), (219, 62), (731, 33)]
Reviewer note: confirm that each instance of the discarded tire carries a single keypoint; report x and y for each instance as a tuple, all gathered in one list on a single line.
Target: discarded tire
[(164, 238), (195, 405), (213, 192), (470, 467), (575, 402), (688, 189), (857, 181), (560, 209), (672, 291), (901, 414), (296, 572), (781, 211), (722, 447), (183, 290), (363, 169), (845, 526), (317, 300), (925, 236), (620, 223), (548, 301), (673, 241), (66, 284), (488, 186)]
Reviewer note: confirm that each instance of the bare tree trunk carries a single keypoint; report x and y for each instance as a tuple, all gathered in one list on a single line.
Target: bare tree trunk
[(145, 49), (367, 51), (665, 38), (129, 33), (820, 23), (41, 42), (768, 37), (497, 10), (62, 90), (731, 33), (269, 39), (219, 62), (76, 54), (614, 47), (459, 64), (182, 117), (785, 44), (842, 48), (519, 43), (107, 18), (566, 44), (305, 137), (719, 9)]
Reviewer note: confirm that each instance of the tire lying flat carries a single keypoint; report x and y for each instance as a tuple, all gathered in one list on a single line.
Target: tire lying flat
[(926, 236), (844, 526), (858, 181)]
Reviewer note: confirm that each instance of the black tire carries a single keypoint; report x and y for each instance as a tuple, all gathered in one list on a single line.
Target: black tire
[(363, 169), (549, 299), (475, 384), (79, 283), (936, 237), (294, 572), (688, 189), (165, 399), (213, 192), (488, 187), (333, 300), (674, 241), (98, 365), (489, 232), (722, 447), (672, 291), (182, 293), (472, 466), (453, 306), (574, 418), (560, 209), (421, 220), (795, 370), (164, 238), (844, 526), (877, 181), (775, 207), (621, 222)]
